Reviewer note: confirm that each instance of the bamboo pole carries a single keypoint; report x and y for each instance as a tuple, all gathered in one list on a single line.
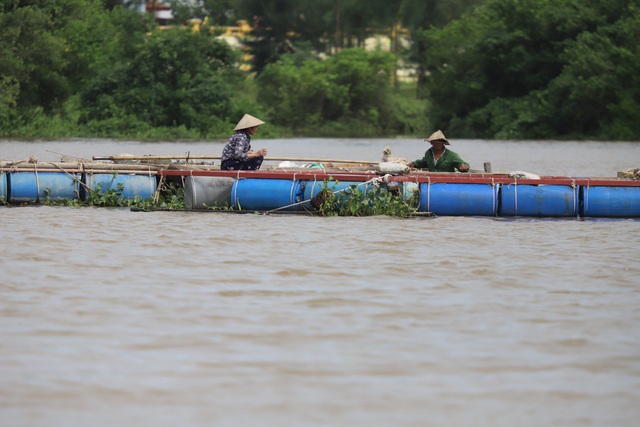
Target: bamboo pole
[(291, 159), (41, 166), (92, 171)]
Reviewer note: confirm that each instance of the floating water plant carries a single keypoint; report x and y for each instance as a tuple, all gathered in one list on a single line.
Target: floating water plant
[(360, 200)]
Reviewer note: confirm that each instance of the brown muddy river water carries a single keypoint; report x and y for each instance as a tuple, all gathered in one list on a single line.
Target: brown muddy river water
[(117, 318)]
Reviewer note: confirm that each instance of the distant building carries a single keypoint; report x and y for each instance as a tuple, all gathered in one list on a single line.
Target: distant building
[(161, 11)]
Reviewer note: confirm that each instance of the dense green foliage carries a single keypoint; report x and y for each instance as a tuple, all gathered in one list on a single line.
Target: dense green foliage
[(539, 69), (483, 68), (351, 90), (176, 79), (49, 51)]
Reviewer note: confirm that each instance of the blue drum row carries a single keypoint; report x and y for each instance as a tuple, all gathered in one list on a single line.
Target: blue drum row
[(530, 200), (270, 194), (445, 199), (38, 187), (448, 199), (203, 192)]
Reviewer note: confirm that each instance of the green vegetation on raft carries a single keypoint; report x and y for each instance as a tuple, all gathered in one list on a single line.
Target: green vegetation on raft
[(169, 196), (354, 201)]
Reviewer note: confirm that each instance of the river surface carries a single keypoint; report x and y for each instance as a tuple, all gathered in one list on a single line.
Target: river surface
[(117, 318)]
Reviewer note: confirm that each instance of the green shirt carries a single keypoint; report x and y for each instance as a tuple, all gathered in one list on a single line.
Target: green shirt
[(448, 162)]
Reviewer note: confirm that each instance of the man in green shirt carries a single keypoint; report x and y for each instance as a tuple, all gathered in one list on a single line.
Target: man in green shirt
[(438, 158)]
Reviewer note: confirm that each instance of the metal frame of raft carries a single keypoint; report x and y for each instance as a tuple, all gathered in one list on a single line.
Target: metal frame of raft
[(445, 194)]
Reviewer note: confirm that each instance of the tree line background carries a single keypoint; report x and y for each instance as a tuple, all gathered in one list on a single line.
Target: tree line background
[(511, 69)]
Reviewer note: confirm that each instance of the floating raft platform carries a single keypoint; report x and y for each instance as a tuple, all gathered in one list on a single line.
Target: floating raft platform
[(292, 188)]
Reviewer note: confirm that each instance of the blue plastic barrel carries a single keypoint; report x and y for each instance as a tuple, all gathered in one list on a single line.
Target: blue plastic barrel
[(611, 201), (134, 185), (3, 187), (458, 199), (539, 200), (265, 194), (33, 187), (343, 188), (410, 189)]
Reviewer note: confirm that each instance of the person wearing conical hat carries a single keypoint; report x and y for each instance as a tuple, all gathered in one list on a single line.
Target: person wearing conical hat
[(237, 153), (439, 158)]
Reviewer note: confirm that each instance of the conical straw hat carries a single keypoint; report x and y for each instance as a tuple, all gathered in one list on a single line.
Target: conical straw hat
[(247, 121), (438, 136)]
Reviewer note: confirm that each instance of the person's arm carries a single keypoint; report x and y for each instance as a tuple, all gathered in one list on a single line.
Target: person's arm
[(459, 164), (260, 153), (420, 163)]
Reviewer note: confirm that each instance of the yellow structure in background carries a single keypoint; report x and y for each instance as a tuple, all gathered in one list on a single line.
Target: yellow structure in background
[(243, 29), (233, 35)]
